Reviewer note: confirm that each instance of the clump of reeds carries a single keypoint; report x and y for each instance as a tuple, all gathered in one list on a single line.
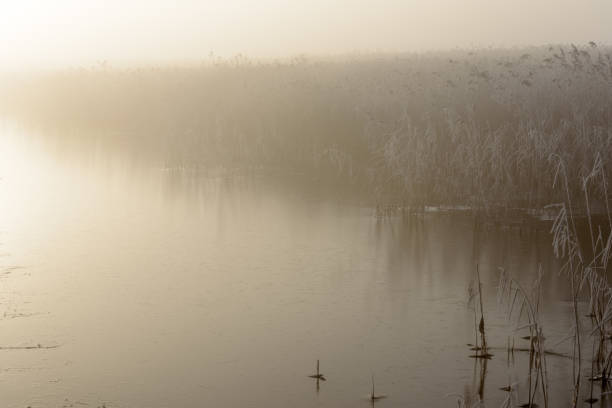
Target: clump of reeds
[(586, 270), (525, 308)]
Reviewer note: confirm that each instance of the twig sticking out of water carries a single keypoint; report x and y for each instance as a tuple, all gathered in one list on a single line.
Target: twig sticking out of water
[(373, 395), (318, 375), (482, 350)]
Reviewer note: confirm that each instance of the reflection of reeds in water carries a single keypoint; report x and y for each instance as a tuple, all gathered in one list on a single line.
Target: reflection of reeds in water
[(473, 396)]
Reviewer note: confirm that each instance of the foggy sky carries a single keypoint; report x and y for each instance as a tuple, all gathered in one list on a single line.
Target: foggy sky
[(58, 33)]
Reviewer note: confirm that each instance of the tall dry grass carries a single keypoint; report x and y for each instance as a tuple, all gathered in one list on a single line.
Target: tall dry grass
[(585, 251), (459, 127)]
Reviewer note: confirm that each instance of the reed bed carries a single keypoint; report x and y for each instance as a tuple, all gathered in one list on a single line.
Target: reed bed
[(463, 127), (586, 269)]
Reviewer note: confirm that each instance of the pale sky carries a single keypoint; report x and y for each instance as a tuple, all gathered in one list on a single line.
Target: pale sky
[(60, 33)]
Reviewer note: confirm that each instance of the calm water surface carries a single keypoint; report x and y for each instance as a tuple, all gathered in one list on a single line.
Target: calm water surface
[(162, 289)]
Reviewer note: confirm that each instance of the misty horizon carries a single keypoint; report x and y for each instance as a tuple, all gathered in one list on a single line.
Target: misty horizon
[(67, 33)]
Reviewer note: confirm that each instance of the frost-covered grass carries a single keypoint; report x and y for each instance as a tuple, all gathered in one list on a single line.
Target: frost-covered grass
[(460, 127)]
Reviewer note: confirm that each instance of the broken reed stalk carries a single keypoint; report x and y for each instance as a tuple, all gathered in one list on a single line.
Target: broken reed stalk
[(372, 396), (481, 325), (479, 328), (318, 375), (471, 296)]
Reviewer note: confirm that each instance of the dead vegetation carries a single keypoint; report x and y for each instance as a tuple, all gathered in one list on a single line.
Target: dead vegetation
[(466, 127)]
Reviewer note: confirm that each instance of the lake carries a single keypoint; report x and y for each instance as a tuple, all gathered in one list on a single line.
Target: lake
[(135, 285)]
